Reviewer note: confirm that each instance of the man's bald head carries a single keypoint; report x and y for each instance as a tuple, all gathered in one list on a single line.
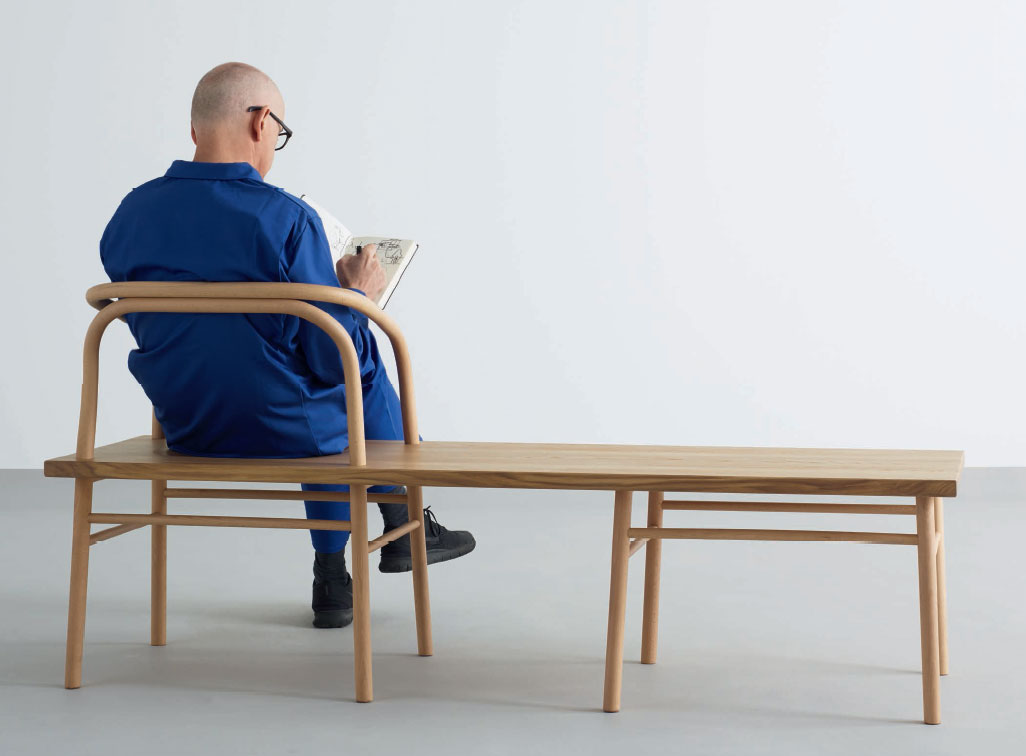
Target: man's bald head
[(224, 93), (223, 129)]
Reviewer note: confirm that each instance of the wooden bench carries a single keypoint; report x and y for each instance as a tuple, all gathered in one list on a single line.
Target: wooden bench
[(922, 475)]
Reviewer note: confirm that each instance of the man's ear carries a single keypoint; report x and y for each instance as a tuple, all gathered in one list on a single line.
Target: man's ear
[(192, 133), (257, 125)]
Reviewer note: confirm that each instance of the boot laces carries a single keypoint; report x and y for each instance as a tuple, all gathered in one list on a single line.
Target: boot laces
[(434, 527)]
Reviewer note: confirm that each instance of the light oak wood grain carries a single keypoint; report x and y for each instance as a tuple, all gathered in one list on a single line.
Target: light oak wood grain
[(577, 466), (653, 568), (114, 301), (926, 475), (363, 663), (109, 533), (637, 545), (617, 601), (88, 406), (392, 535), (779, 506), (79, 583), (277, 494), (219, 521), (928, 538), (942, 590), (158, 551), (743, 534), (226, 296), (927, 551), (418, 553)]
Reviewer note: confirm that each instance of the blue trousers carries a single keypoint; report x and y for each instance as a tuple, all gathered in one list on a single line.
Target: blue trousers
[(383, 421)]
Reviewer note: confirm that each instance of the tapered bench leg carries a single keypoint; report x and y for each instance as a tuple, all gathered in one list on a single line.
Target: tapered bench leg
[(653, 559), (418, 550), (79, 582), (942, 593), (925, 528), (617, 601), (361, 594), (158, 566)]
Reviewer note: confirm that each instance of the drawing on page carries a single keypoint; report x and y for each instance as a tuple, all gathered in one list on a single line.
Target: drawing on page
[(390, 252)]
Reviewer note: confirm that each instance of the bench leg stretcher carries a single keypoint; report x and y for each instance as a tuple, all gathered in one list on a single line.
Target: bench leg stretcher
[(928, 540), (158, 521)]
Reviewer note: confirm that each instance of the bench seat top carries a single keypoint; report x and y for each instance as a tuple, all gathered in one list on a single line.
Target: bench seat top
[(712, 469)]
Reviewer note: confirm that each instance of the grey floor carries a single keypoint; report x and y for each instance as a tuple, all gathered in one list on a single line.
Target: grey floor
[(765, 647)]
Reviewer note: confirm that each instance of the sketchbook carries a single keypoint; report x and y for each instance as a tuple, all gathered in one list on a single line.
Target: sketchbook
[(393, 254)]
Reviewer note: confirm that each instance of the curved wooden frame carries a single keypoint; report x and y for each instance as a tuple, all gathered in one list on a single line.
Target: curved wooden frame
[(114, 301), (248, 298), (295, 299)]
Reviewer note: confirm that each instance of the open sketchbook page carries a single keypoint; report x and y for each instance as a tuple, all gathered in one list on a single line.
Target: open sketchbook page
[(338, 235), (393, 254)]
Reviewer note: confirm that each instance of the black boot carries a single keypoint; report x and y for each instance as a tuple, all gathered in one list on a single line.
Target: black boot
[(442, 545), (332, 590)]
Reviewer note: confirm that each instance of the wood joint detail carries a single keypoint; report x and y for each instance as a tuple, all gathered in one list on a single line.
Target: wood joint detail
[(636, 545), (392, 535), (108, 533)]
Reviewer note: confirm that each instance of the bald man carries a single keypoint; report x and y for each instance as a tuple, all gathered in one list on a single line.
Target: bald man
[(256, 385)]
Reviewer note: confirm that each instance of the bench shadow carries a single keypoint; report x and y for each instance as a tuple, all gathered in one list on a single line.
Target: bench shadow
[(250, 648), (538, 682)]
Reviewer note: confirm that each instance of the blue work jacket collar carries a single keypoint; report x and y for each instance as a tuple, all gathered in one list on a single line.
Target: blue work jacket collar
[(223, 171)]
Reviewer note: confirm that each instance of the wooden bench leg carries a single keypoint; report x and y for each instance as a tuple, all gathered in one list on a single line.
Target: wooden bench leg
[(653, 559), (926, 530), (361, 594), (942, 592), (158, 566), (79, 582), (418, 549), (617, 601)]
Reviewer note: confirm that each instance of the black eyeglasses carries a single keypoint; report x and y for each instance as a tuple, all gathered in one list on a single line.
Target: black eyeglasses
[(285, 132)]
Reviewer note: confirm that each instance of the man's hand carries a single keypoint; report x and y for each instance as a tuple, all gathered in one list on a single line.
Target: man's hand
[(363, 272)]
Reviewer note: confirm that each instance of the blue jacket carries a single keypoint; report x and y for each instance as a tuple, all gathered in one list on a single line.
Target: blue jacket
[(233, 385)]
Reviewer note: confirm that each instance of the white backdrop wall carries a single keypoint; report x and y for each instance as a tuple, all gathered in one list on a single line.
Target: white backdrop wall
[(788, 223)]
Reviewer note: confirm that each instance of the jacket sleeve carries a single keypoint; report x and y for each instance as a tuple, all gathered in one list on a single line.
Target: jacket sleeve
[(307, 259)]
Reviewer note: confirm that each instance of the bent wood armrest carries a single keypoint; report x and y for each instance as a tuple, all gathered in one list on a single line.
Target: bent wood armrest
[(247, 298), (101, 295)]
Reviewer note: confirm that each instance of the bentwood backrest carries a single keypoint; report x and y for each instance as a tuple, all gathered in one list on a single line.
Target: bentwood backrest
[(114, 300)]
